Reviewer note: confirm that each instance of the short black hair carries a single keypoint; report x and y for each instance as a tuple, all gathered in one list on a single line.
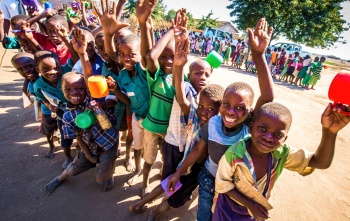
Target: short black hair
[(17, 19), (41, 55), (21, 55), (88, 33), (316, 59), (60, 19), (72, 74), (323, 58), (276, 110), (213, 91), (241, 86), (198, 62), (130, 39)]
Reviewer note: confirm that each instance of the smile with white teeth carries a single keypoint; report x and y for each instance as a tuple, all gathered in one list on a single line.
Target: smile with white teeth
[(74, 98), (230, 120)]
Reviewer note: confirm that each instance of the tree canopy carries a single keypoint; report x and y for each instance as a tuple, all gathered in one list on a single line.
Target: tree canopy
[(158, 14), (207, 21), (315, 23)]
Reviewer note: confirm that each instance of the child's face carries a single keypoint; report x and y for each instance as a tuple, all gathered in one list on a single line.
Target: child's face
[(268, 133), (234, 108), (27, 47), (206, 109), (50, 30), (199, 76), (26, 68), (50, 69), (166, 58), (100, 49), (129, 55), (74, 89)]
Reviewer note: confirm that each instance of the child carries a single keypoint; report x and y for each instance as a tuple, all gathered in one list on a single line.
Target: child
[(292, 66), (231, 125), (265, 149), (307, 77), (228, 53), (298, 68), (51, 71), (286, 64), (280, 63), (316, 69), (274, 58), (98, 146), (302, 73)]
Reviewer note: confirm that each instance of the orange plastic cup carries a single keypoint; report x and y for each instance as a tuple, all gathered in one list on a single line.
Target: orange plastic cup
[(98, 86), (338, 90)]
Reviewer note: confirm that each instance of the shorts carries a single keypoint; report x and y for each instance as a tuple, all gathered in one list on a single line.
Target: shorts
[(171, 158), (150, 148), (138, 132), (189, 184), (65, 143), (104, 169), (48, 125)]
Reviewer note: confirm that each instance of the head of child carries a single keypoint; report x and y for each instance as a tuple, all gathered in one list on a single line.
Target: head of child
[(270, 126), (307, 57), (51, 23), (316, 59), (296, 54), (16, 22), (89, 37), (25, 65), (129, 51), (166, 58), (119, 35), (268, 51), (236, 105), (100, 47), (323, 59), (48, 65), (74, 87), (209, 102), (275, 49), (199, 74)]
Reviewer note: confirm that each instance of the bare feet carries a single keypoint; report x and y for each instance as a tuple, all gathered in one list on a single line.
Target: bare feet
[(133, 177), (151, 216), (135, 208), (129, 164), (49, 154), (66, 163), (109, 184), (144, 192), (50, 187)]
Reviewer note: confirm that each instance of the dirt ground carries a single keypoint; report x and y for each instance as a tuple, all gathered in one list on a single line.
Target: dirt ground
[(24, 170)]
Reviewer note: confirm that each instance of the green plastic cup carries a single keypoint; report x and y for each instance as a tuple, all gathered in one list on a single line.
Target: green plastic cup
[(214, 59), (86, 119)]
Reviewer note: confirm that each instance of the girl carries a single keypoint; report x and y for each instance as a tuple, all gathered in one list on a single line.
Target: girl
[(302, 73), (298, 67)]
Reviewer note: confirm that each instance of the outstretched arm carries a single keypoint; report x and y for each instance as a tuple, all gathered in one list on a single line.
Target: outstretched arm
[(259, 40), (63, 34), (332, 121), (27, 33), (144, 10)]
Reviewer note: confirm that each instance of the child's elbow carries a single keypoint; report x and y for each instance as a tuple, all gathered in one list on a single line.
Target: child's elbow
[(150, 56)]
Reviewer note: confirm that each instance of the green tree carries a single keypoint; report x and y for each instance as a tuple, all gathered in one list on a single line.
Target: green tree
[(191, 21), (158, 14), (207, 21), (316, 23), (171, 15)]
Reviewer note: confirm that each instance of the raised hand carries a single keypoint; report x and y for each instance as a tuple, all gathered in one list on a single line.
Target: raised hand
[(181, 52), (79, 41), (180, 26), (108, 19), (260, 38), (61, 31), (75, 19), (48, 13), (334, 118), (111, 83), (26, 30), (144, 9)]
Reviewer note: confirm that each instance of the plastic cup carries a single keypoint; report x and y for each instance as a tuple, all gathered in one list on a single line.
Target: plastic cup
[(85, 120), (214, 59), (338, 89), (47, 5), (98, 86)]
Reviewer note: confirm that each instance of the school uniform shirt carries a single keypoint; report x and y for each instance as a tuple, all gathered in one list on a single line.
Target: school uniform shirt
[(61, 50), (316, 69), (136, 89), (11, 43), (176, 133), (238, 156), (162, 94), (96, 66), (42, 84), (219, 140)]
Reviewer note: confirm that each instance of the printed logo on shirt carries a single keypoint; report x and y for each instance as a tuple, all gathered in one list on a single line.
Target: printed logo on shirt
[(161, 85), (97, 66)]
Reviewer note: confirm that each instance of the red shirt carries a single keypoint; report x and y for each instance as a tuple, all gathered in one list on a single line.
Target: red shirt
[(61, 50)]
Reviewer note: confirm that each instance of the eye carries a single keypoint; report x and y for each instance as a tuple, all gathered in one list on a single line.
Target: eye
[(225, 104), (211, 109), (200, 106), (279, 135), (261, 128), (45, 69)]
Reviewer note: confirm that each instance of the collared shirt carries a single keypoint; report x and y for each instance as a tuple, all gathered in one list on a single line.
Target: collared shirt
[(96, 66), (105, 139), (136, 89), (61, 50)]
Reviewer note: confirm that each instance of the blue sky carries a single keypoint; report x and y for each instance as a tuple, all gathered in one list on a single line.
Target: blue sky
[(203, 7)]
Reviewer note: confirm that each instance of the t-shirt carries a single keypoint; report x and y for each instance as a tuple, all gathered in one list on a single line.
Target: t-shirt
[(161, 101), (96, 66), (238, 47), (41, 84), (274, 57), (176, 133), (61, 50), (218, 140), (136, 89), (223, 45), (11, 43), (316, 69), (11, 8)]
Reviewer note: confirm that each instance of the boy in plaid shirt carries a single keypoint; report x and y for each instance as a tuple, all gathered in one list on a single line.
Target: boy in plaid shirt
[(98, 146)]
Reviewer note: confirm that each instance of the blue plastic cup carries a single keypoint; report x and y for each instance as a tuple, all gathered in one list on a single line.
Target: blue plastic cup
[(47, 5)]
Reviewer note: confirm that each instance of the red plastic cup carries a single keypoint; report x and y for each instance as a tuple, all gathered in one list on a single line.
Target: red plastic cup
[(338, 90)]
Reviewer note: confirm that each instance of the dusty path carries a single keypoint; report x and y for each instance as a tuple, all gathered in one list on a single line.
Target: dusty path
[(24, 171)]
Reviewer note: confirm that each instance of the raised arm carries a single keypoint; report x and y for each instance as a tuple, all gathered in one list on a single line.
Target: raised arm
[(259, 40), (2, 32), (332, 121), (63, 34), (83, 13), (27, 33), (110, 26), (144, 10)]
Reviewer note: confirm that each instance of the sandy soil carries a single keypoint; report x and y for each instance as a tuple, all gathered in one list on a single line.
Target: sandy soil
[(24, 170)]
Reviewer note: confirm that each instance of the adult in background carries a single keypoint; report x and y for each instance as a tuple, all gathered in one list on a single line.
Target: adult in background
[(11, 8)]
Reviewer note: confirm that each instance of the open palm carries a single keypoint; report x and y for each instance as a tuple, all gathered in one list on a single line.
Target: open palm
[(334, 118), (260, 38), (144, 9), (79, 41)]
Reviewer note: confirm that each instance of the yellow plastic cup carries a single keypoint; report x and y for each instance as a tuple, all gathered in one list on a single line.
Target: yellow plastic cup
[(98, 86)]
